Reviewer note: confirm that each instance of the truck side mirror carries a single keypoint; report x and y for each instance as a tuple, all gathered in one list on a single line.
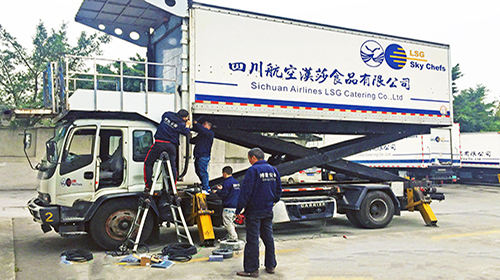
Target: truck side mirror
[(27, 141)]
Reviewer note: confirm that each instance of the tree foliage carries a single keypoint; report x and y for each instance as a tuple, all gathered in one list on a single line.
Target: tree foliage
[(473, 112), (471, 109), (108, 76), (21, 70), (455, 74)]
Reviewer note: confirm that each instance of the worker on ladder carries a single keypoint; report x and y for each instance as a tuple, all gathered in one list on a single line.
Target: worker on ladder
[(166, 140), (203, 146)]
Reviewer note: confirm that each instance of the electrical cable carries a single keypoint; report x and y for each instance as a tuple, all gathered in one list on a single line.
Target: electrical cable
[(181, 252)]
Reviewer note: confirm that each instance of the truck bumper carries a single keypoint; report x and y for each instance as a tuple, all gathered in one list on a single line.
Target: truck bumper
[(310, 208), (47, 215)]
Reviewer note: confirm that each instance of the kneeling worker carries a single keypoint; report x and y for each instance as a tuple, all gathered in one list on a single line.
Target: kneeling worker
[(229, 192)]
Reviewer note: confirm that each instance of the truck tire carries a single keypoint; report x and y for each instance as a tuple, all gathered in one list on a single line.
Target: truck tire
[(376, 210), (110, 224), (353, 218)]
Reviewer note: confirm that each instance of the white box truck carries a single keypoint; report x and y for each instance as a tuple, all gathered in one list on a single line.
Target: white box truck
[(251, 75), (480, 158)]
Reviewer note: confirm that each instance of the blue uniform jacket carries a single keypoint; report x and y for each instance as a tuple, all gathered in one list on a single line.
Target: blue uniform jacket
[(170, 127), (203, 141), (230, 192), (260, 189)]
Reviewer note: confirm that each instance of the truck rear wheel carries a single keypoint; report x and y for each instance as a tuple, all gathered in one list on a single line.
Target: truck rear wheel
[(110, 224), (376, 211)]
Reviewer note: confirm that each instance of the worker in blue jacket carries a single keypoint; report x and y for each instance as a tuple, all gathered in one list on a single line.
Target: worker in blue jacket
[(260, 190), (166, 140), (202, 149), (229, 191)]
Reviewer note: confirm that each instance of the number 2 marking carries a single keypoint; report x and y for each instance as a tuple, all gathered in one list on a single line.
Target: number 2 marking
[(49, 218)]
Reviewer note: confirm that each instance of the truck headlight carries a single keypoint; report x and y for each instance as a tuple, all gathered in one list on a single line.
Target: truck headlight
[(45, 197)]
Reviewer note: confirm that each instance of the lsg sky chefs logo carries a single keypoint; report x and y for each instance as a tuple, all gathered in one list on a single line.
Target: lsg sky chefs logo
[(373, 54)]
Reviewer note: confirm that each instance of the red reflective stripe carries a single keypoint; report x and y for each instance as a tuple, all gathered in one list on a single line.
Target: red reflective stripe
[(307, 189), (145, 159), (161, 141)]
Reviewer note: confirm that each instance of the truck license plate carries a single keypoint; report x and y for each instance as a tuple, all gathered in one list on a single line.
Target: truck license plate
[(312, 204)]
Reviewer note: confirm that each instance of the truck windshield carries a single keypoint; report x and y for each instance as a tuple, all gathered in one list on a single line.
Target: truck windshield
[(54, 145)]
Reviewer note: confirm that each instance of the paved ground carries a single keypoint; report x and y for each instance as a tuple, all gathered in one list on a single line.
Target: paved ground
[(466, 245)]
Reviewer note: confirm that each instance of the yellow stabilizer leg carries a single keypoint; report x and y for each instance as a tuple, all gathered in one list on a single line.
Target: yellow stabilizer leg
[(422, 205), (427, 213), (203, 219), (205, 228)]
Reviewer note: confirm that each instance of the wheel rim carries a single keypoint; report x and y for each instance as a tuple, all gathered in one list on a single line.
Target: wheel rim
[(378, 210), (118, 224)]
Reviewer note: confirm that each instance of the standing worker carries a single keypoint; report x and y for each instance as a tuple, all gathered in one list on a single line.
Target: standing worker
[(229, 192), (166, 140), (203, 146), (260, 190)]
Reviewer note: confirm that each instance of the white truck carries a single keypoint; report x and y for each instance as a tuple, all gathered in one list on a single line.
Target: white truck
[(249, 74), (434, 156), (480, 158)]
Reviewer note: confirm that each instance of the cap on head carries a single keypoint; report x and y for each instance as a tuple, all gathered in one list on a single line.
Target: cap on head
[(183, 113)]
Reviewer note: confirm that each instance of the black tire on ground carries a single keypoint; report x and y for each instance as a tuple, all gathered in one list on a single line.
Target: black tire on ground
[(110, 224), (376, 211), (351, 216), (290, 181), (226, 253)]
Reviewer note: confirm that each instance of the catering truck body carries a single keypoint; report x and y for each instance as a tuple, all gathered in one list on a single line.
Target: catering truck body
[(480, 158), (252, 76)]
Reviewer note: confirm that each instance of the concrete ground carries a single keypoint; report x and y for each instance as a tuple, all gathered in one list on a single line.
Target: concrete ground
[(465, 245)]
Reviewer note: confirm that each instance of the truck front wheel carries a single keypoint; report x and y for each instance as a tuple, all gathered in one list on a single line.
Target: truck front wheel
[(110, 224), (376, 211)]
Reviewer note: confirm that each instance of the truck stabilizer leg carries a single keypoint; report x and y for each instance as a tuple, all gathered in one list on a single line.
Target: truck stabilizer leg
[(202, 214), (416, 199)]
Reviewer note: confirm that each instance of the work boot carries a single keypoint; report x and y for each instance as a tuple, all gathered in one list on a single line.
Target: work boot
[(270, 270), (254, 274)]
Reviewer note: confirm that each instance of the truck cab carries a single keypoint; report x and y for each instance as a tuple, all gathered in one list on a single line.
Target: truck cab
[(87, 162)]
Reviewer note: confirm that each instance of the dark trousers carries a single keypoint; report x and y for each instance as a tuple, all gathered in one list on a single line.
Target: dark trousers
[(259, 224), (153, 155)]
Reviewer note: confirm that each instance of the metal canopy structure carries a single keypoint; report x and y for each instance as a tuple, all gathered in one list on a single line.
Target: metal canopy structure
[(130, 20)]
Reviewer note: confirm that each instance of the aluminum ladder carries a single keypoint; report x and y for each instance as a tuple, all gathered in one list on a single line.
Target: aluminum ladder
[(168, 180), (164, 168)]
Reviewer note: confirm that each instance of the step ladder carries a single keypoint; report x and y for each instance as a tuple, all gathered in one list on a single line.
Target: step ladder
[(178, 217), (164, 169)]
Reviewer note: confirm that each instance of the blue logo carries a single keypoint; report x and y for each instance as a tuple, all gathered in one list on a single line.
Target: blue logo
[(372, 53), (395, 56)]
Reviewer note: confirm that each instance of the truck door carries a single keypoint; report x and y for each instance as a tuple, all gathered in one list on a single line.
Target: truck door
[(111, 158), (78, 166)]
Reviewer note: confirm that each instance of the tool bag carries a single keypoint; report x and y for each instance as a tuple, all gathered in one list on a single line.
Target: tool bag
[(77, 255)]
